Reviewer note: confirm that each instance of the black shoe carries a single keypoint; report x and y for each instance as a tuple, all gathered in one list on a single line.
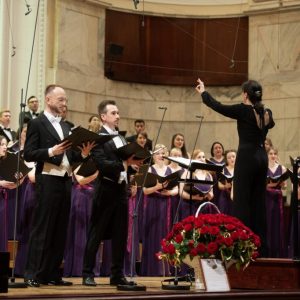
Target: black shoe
[(60, 282), (120, 281), (88, 281), (32, 282)]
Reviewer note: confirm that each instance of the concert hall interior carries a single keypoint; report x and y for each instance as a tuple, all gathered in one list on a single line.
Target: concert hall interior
[(147, 56)]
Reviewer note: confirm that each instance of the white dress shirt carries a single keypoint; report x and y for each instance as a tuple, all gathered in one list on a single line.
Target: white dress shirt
[(64, 167)]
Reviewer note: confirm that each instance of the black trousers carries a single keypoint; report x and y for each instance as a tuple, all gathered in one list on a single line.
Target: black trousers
[(50, 222), (109, 220), (249, 190)]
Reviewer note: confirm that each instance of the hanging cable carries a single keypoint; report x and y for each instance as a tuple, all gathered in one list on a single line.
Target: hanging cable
[(32, 47)]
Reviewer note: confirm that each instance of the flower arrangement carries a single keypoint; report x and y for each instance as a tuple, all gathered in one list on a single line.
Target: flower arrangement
[(216, 236)]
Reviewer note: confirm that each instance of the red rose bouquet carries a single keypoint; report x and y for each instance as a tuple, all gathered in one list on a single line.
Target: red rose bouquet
[(216, 236)]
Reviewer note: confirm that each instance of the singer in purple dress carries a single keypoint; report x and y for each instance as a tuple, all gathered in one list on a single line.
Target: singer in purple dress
[(5, 186), (250, 172), (192, 200), (274, 206), (81, 205), (225, 186), (26, 207), (157, 216)]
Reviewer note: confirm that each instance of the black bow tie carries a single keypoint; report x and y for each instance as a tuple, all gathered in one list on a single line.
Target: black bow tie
[(35, 114), (7, 129)]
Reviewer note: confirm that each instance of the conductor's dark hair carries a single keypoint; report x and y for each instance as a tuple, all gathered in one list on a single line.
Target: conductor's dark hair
[(102, 107), (51, 87), (254, 92), (212, 148)]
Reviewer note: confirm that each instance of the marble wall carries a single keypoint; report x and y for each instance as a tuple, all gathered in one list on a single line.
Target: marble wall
[(274, 59)]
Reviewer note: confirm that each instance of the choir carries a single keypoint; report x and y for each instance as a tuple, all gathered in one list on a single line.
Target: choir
[(153, 210)]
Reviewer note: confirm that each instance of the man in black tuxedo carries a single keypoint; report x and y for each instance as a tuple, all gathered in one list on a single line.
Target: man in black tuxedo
[(5, 130), (33, 107), (139, 126), (53, 189), (110, 204)]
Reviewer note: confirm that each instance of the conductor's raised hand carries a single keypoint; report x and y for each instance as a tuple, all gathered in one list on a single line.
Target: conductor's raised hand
[(61, 148), (200, 88), (86, 148)]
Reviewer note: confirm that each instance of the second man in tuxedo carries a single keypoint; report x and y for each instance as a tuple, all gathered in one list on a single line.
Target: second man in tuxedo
[(109, 211)]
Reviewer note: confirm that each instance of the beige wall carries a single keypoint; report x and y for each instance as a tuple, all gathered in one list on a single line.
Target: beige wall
[(274, 60)]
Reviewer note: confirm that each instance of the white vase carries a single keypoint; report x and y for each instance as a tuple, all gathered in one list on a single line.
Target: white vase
[(195, 264)]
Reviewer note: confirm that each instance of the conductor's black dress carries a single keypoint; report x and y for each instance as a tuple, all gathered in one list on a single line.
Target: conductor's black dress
[(251, 165)]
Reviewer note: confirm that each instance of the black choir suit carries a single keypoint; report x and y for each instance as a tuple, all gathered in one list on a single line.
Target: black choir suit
[(53, 198), (109, 211)]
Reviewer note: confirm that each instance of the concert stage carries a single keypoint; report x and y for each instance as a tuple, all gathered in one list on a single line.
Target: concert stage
[(264, 279)]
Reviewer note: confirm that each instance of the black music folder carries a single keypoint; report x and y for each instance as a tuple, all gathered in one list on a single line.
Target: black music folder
[(280, 178), (135, 149), (193, 164), (224, 178), (87, 168), (80, 135), (151, 179), (198, 189), (9, 165)]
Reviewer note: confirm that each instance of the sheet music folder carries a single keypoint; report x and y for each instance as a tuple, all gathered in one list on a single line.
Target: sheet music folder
[(135, 149), (151, 179), (192, 164), (9, 165), (80, 135)]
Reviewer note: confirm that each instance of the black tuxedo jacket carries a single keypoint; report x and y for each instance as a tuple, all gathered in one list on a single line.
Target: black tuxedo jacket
[(106, 159), (26, 116), (41, 136), (13, 133)]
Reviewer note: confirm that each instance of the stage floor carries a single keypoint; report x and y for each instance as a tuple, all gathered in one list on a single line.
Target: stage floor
[(154, 291)]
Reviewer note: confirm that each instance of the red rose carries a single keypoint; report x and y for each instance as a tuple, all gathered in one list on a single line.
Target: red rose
[(228, 241), (188, 227), (201, 248), (198, 223), (178, 238), (204, 230), (229, 227), (193, 252), (171, 249), (191, 243), (212, 247), (214, 230)]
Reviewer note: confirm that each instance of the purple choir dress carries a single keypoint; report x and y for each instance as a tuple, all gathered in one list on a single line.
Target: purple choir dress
[(26, 207), (11, 206), (157, 224), (275, 222), (224, 201), (3, 220), (189, 208), (81, 205)]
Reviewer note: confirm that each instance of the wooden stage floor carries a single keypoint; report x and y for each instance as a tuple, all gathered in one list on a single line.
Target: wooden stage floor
[(154, 291)]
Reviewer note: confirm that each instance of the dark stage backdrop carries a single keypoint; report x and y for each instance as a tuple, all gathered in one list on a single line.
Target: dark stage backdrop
[(175, 51)]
